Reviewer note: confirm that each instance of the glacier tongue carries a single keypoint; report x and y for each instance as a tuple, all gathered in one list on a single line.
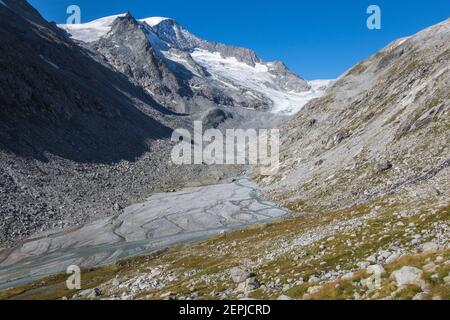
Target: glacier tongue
[(259, 79)]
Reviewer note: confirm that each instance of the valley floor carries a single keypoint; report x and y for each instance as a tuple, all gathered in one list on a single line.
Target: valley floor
[(394, 247)]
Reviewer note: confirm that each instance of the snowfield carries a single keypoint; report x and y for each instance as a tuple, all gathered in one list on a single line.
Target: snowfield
[(90, 31)]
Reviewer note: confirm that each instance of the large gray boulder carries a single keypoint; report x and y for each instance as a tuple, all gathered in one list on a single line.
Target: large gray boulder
[(408, 276)]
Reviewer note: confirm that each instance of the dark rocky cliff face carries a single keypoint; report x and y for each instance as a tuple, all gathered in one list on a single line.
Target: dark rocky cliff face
[(56, 97), (132, 48), (127, 48)]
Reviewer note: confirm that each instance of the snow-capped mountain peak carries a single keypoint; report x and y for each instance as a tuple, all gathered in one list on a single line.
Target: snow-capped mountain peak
[(238, 75)]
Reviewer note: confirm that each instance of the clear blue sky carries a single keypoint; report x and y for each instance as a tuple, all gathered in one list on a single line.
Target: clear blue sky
[(317, 39)]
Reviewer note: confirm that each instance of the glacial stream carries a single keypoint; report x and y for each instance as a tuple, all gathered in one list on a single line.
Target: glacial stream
[(161, 221)]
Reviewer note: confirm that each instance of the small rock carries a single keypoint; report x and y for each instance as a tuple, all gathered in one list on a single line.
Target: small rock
[(431, 267), (393, 257), (348, 276), (284, 298), (447, 279), (91, 293), (116, 282), (420, 296), (313, 290), (239, 274), (384, 255), (429, 247), (363, 265), (252, 284), (299, 282), (384, 166), (167, 295), (84, 293), (313, 279)]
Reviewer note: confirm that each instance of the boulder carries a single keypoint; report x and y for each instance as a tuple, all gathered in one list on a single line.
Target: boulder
[(239, 274), (408, 276)]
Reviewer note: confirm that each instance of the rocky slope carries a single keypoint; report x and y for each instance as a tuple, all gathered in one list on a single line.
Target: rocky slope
[(381, 127), (194, 71)]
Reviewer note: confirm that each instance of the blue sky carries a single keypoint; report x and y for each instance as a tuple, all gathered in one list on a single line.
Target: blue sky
[(316, 39)]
